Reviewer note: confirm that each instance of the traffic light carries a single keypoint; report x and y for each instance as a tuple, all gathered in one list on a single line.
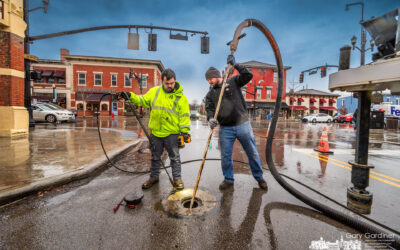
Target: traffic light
[(301, 77), (205, 45), (323, 72), (152, 44)]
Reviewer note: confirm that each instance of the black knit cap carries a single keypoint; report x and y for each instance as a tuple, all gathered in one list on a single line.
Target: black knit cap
[(212, 73)]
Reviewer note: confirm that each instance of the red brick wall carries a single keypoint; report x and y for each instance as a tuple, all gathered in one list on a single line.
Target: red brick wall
[(12, 57), (106, 77), (268, 78)]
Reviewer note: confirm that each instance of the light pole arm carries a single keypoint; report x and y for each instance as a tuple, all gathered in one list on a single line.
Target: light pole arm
[(70, 32)]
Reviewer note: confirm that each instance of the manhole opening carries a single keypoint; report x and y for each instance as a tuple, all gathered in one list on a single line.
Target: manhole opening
[(186, 202)]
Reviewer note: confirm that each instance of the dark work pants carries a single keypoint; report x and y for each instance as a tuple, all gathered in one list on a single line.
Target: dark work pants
[(170, 143)]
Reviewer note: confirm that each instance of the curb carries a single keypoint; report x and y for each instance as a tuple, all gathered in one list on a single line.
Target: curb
[(51, 182)]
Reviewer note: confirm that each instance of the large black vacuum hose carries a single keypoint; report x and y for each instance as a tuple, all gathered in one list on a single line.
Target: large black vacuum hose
[(332, 213)]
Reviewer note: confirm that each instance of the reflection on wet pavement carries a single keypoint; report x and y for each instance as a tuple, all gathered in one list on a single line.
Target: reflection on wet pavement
[(51, 150), (245, 218)]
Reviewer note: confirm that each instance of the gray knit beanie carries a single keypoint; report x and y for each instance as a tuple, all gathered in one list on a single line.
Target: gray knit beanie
[(212, 73)]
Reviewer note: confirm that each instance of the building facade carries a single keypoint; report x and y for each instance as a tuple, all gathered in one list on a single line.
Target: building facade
[(13, 115), (261, 92), (347, 104), (310, 101), (79, 82)]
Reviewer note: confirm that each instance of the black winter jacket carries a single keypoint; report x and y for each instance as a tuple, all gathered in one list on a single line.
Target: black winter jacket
[(233, 107)]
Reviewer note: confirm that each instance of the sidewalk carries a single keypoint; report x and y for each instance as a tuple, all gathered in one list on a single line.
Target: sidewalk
[(53, 155)]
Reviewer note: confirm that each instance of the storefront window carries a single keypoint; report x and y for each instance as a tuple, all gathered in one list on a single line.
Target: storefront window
[(104, 107)]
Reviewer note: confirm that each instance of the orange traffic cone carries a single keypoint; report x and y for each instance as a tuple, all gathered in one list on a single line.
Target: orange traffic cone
[(323, 146)]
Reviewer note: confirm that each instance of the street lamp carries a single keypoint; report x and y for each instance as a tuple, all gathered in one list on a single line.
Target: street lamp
[(363, 35)]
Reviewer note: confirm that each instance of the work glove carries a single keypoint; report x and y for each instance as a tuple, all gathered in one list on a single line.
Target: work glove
[(231, 60), (185, 136), (124, 94), (212, 123)]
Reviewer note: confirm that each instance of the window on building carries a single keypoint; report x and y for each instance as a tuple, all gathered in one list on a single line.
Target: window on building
[(259, 93), (81, 78), (80, 106), (127, 82), (95, 107), (244, 89), (104, 107), (50, 80), (397, 101), (342, 106), (269, 91), (144, 82), (61, 80), (97, 79), (275, 75), (387, 99), (89, 106), (114, 80)]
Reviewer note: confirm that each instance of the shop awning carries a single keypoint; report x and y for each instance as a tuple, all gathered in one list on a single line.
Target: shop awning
[(59, 74), (47, 73), (328, 108), (312, 100), (298, 108), (322, 101), (265, 105), (332, 101), (313, 108), (292, 99), (300, 99), (82, 96)]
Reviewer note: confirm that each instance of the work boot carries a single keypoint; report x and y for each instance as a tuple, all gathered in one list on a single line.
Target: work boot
[(149, 183), (178, 183), (225, 185), (262, 184)]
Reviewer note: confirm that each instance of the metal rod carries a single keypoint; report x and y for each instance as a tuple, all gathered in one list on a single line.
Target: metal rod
[(70, 32), (227, 68)]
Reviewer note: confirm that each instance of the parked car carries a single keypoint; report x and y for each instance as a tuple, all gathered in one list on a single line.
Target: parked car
[(51, 113), (335, 117), (346, 118), (318, 118), (194, 114)]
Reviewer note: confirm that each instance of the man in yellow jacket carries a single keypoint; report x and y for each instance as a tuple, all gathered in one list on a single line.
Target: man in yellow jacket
[(169, 117)]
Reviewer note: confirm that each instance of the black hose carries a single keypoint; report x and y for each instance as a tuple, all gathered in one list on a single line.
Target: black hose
[(246, 163), (337, 215)]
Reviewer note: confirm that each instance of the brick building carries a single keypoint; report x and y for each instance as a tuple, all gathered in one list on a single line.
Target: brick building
[(13, 115), (260, 93), (310, 101), (78, 82)]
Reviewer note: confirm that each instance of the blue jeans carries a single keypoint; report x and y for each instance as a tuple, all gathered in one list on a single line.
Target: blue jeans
[(227, 137)]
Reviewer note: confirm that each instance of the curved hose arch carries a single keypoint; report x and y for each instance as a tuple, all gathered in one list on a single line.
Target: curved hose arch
[(334, 214)]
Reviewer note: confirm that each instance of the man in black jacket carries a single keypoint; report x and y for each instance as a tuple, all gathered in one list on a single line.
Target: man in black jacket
[(233, 121)]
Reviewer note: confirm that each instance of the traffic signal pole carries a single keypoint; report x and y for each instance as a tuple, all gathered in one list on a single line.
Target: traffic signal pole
[(314, 70)]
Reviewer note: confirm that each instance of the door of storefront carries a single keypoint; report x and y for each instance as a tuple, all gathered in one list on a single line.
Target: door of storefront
[(114, 108)]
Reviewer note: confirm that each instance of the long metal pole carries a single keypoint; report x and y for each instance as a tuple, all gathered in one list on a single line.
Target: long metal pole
[(70, 32), (27, 65), (227, 68)]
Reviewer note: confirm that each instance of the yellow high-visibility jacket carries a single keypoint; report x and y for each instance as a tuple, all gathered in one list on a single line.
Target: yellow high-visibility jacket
[(170, 112)]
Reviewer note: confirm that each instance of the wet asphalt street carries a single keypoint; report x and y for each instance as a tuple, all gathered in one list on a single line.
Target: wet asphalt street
[(80, 215)]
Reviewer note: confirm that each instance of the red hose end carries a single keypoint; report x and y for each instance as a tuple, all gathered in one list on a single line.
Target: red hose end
[(116, 208)]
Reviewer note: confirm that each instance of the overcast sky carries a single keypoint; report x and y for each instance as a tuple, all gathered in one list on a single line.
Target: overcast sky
[(308, 32)]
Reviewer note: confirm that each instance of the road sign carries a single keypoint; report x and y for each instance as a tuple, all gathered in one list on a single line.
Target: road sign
[(313, 72)]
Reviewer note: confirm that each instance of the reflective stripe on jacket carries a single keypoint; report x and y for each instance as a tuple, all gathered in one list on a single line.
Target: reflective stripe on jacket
[(170, 112)]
